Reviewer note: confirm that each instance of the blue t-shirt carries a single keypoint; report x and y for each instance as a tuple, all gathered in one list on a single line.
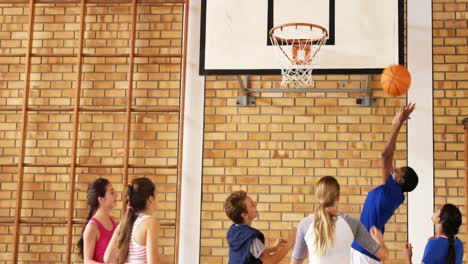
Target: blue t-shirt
[(380, 205), (437, 249)]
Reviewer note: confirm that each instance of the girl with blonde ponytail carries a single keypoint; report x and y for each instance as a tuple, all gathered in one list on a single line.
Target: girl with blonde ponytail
[(327, 235)]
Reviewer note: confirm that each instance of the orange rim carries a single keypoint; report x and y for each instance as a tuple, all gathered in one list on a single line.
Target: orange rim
[(292, 41)]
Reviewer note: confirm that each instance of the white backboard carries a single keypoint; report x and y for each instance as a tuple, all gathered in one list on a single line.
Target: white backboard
[(365, 35)]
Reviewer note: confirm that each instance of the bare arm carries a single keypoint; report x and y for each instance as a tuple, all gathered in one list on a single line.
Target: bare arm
[(152, 243), (387, 155), (110, 256), (408, 253), (277, 246), (382, 252), (279, 254), (298, 261), (90, 236), (295, 261)]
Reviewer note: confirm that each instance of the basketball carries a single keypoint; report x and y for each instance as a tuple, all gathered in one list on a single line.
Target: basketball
[(395, 80)]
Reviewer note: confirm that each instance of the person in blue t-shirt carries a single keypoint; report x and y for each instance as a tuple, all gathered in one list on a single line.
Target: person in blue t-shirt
[(247, 244), (444, 247), (382, 202)]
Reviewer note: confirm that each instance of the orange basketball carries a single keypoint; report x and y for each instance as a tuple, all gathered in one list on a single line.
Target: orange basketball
[(395, 80)]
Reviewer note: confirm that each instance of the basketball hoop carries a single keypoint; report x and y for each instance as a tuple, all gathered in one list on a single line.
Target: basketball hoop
[(297, 47)]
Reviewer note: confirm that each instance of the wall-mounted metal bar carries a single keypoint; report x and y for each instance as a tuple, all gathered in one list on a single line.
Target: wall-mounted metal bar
[(243, 84), (24, 122)]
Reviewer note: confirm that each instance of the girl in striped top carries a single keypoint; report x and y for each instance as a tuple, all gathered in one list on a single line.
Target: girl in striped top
[(136, 239), (100, 226)]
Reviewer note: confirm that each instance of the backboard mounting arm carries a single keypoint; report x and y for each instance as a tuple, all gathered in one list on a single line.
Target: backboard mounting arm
[(246, 99)]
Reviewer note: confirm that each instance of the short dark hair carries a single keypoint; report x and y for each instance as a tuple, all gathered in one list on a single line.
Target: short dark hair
[(235, 205), (411, 180)]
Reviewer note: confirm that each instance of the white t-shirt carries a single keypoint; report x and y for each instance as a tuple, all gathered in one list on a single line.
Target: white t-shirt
[(346, 230)]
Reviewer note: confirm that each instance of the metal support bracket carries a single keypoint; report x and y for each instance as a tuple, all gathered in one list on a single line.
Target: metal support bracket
[(245, 99), (368, 99), (248, 100)]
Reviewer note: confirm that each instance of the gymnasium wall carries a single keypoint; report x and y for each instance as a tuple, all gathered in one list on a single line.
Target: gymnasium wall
[(275, 151), (153, 138), (450, 57), (278, 150)]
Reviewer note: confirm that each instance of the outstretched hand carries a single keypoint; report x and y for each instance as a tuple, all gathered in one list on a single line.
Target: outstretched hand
[(408, 253), (404, 113), (279, 243)]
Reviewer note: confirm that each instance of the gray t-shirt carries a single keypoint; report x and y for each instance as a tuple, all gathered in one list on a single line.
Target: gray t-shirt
[(346, 230)]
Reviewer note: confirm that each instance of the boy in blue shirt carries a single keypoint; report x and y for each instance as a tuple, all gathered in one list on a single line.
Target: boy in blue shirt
[(247, 244), (382, 202)]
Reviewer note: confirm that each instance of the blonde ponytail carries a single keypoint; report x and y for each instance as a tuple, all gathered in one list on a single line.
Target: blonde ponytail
[(327, 192)]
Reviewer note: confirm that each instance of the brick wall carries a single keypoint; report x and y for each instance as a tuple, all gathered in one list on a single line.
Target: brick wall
[(275, 151), (153, 139), (450, 40), (278, 150)]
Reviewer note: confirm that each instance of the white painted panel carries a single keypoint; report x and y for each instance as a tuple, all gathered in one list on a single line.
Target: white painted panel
[(420, 127), (189, 246)]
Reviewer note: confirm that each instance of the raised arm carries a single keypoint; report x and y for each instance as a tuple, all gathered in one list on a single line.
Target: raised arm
[(382, 252), (387, 155)]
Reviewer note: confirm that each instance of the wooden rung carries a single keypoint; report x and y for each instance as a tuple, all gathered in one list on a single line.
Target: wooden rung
[(88, 55), (102, 109), (158, 55), (58, 221), (156, 109), (49, 109), (146, 2), (121, 166), (12, 55), (10, 108), (36, 165), (107, 166), (152, 166), (91, 109), (123, 109)]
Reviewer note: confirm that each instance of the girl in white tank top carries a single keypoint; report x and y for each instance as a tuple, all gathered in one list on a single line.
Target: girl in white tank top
[(136, 252), (136, 238)]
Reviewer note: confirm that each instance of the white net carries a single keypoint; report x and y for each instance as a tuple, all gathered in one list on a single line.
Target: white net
[(297, 47)]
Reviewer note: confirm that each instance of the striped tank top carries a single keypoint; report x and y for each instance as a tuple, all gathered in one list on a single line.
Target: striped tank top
[(136, 252)]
